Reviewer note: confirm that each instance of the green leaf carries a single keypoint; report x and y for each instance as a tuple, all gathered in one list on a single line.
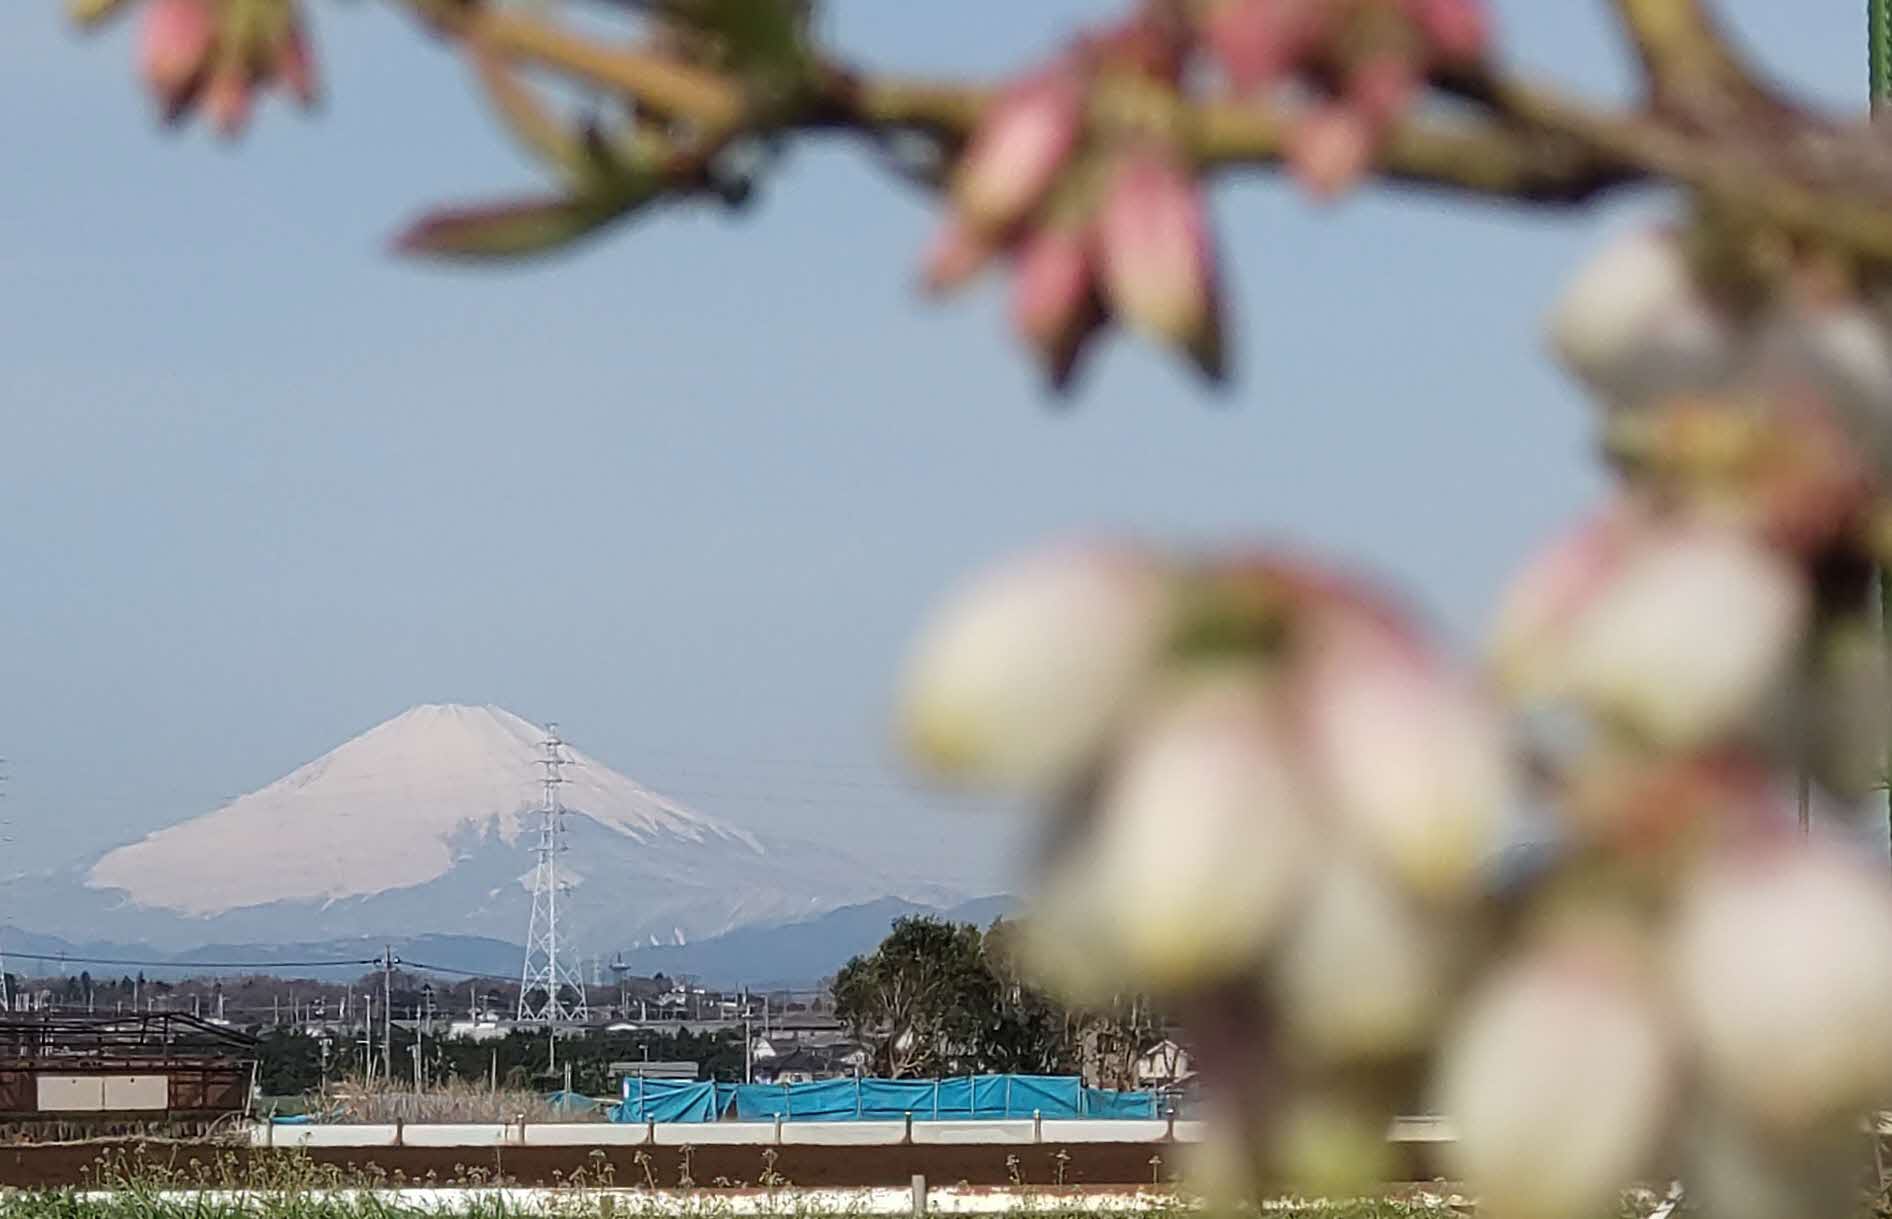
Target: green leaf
[(514, 229), (766, 37), (91, 12)]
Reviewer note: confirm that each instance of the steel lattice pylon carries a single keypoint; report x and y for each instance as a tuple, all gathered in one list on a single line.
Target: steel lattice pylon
[(550, 990)]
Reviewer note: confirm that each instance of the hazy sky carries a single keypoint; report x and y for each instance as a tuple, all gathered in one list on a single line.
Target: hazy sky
[(262, 486)]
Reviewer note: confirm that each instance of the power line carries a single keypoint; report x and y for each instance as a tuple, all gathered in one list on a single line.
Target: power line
[(423, 967), (62, 959)]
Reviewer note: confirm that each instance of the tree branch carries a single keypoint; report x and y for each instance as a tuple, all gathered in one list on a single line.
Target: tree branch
[(1525, 144), (1489, 158), (1695, 74), (660, 83)]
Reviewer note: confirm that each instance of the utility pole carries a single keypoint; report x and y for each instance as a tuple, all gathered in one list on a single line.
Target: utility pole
[(387, 1008), (367, 1037), (1879, 86)]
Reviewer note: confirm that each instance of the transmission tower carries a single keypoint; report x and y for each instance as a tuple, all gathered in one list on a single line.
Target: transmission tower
[(543, 972)]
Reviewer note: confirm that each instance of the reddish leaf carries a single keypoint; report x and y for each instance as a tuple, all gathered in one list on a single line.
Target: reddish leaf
[(513, 229)]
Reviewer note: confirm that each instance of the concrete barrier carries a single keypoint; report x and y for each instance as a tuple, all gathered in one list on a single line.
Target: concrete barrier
[(1405, 1130)]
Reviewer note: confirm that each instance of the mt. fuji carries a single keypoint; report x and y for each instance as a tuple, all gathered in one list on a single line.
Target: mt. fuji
[(425, 824)]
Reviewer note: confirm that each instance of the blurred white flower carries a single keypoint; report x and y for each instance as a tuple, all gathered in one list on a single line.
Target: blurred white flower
[(1558, 1084), (1633, 326), (1204, 837), (1362, 974), (1529, 637), (1783, 968), (1328, 1143), (1843, 351), (1687, 639), (1019, 679), (1412, 755)]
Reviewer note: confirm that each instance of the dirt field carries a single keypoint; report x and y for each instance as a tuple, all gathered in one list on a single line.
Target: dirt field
[(53, 1164)]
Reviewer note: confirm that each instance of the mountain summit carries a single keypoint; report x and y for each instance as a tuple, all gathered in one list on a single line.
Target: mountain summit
[(425, 823), (388, 810)]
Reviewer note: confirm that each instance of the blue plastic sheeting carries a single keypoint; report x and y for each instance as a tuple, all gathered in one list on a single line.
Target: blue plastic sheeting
[(1101, 1102), (571, 1102), (979, 1097), (672, 1100)]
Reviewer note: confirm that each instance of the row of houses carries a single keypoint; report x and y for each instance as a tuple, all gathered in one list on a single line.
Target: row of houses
[(806, 1055)]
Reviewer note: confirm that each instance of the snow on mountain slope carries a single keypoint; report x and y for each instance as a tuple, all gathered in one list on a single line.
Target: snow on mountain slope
[(383, 812), (425, 823)]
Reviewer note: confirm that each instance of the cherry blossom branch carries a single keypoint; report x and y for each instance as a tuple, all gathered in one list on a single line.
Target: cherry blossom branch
[(655, 81)]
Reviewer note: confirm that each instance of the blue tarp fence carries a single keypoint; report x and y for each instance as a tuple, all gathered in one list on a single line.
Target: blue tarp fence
[(571, 1102), (848, 1100)]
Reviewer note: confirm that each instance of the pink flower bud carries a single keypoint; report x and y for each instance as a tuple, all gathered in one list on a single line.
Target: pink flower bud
[(1458, 31), (1684, 643), (1054, 298), (1636, 807), (1410, 753), (174, 48), (227, 101), (1158, 261), (1558, 1084), (1257, 42), (1208, 824), (1330, 149), (1152, 41), (1020, 149), (957, 253), (295, 67), (1632, 326), (1381, 89), (1020, 678), (1783, 967)]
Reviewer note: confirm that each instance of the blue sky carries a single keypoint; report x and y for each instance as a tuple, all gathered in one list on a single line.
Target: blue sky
[(688, 492)]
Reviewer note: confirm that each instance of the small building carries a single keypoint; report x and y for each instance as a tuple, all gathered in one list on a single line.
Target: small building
[(1162, 1065), (151, 1066), (685, 1071), (805, 1065)]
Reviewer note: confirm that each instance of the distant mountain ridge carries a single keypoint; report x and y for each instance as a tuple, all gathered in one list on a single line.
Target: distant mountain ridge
[(350, 956), (798, 954), (801, 953), (424, 824)]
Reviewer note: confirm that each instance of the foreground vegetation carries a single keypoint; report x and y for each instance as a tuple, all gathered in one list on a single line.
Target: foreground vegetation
[(576, 1204), (131, 1185)]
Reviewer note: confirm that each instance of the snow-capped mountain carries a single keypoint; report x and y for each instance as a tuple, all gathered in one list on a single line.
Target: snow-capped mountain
[(425, 823)]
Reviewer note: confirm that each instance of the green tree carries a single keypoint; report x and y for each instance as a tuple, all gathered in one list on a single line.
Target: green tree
[(289, 1063), (922, 1002), (1028, 1032)]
